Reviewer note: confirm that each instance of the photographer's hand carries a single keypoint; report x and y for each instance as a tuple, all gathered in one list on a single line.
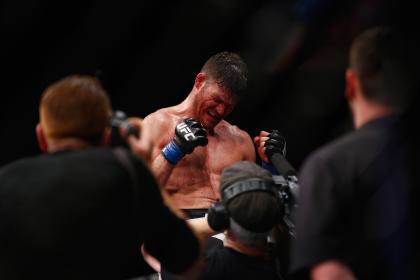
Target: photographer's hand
[(141, 146)]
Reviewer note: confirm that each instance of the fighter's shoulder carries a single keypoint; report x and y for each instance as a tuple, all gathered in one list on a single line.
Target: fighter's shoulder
[(161, 117), (233, 130), (160, 114)]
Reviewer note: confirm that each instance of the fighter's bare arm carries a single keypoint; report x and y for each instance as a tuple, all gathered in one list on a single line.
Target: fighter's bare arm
[(175, 138), (247, 145), (160, 126), (249, 149), (201, 228)]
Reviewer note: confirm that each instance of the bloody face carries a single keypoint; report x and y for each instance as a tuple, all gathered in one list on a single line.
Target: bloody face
[(212, 104)]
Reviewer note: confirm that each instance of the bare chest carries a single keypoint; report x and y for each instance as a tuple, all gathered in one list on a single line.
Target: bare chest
[(202, 168), (195, 180), (218, 154)]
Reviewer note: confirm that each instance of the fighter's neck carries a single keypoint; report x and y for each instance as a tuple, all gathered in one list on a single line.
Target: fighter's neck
[(185, 108)]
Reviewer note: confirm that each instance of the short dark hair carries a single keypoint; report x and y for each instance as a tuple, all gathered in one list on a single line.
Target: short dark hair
[(382, 59), (75, 106), (256, 211), (229, 70)]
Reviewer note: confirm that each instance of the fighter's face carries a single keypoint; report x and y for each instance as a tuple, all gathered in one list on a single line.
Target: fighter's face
[(213, 104)]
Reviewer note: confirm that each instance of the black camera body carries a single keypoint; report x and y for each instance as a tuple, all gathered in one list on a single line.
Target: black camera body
[(282, 237), (287, 189), (119, 120)]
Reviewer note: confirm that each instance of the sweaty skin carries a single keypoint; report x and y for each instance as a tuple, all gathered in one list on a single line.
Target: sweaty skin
[(194, 181)]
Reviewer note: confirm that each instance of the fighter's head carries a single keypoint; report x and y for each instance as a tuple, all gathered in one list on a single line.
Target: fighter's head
[(220, 83), (76, 107)]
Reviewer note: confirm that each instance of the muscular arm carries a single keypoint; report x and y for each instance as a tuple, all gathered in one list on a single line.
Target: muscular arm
[(249, 150), (162, 169), (201, 228), (159, 127)]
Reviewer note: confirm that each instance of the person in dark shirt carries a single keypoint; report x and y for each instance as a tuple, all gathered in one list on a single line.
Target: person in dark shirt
[(81, 210), (251, 209), (353, 219)]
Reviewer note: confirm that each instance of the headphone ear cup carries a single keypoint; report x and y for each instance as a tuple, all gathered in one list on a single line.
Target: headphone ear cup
[(218, 217)]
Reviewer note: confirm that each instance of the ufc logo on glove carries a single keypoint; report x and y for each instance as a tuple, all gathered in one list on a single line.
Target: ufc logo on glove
[(182, 127)]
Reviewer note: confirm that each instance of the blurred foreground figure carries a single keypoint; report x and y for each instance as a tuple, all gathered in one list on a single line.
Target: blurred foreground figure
[(353, 220), (82, 211)]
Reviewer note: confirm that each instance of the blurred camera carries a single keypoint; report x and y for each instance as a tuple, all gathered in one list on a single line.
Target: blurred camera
[(287, 189), (119, 121)]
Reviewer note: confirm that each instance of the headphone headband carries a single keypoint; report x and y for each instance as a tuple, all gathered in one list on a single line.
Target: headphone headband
[(245, 186)]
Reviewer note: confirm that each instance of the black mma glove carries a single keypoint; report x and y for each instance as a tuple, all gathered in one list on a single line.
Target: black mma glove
[(188, 135), (276, 143)]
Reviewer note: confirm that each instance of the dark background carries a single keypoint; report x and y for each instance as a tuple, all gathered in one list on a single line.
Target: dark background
[(147, 54)]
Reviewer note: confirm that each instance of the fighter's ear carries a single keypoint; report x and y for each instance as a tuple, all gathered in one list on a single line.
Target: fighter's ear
[(199, 79), (41, 138)]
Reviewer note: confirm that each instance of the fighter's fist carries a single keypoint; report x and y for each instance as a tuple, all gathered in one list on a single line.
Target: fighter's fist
[(188, 134), (276, 143), (269, 143)]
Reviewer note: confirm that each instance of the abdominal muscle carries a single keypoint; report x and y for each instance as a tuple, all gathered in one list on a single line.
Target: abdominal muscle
[(193, 186), (195, 180)]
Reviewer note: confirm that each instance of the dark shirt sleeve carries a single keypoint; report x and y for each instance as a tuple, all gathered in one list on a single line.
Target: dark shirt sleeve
[(319, 218), (166, 237), (213, 265)]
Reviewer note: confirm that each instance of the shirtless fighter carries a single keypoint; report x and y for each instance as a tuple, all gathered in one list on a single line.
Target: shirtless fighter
[(192, 141)]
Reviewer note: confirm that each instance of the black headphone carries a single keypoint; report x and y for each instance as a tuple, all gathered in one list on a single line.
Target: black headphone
[(218, 214)]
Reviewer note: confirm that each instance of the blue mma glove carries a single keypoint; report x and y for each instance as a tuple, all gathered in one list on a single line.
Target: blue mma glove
[(188, 135)]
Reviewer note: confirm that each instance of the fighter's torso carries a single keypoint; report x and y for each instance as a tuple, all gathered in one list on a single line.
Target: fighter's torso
[(194, 182)]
